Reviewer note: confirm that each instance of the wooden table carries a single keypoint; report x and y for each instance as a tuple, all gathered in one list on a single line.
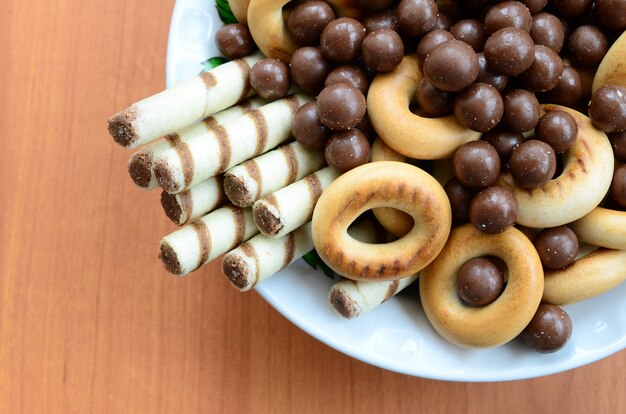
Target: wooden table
[(89, 320)]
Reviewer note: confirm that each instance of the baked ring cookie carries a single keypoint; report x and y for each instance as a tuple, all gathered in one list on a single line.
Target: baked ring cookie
[(589, 276), (388, 101), (240, 10), (585, 180), (612, 70), (269, 31), (500, 321), (381, 184), (602, 227)]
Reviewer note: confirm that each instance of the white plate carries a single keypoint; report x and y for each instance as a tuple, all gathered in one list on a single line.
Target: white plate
[(396, 335)]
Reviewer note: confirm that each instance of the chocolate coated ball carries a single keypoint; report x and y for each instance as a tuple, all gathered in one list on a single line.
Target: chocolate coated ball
[(504, 141), (416, 17), (308, 69), (568, 90), (470, 31), (486, 75), (607, 108), (618, 186), (307, 20), (508, 14), (535, 6), (340, 106), (451, 66), (234, 40), (479, 281), (430, 40), (476, 164), (382, 50), (547, 30), (341, 40), (479, 107), (570, 8), (509, 51), (533, 164), (521, 110), (494, 210), (346, 150), (433, 102), (618, 143), (611, 14), (557, 247), (350, 74), (549, 330), (270, 78), (557, 129), (587, 45), (545, 71), (460, 198), (381, 20), (307, 128)]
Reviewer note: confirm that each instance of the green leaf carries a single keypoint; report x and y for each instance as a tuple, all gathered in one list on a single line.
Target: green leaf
[(314, 260), (224, 11), (213, 62)]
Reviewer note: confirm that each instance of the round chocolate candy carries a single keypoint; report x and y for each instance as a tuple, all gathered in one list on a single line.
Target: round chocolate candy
[(607, 108), (508, 14), (568, 90), (476, 164), (307, 20), (340, 106), (382, 50), (618, 142), (557, 129), (270, 78), (444, 21), (521, 110), (470, 31), (307, 128), (611, 14), (532, 164), (479, 107), (586, 46), (308, 69), (479, 281), (341, 39), (549, 330), (451, 66), (618, 186), (547, 30), (416, 17), (535, 6), (460, 198), (234, 40), (545, 71), (433, 102), (346, 150), (494, 210), (570, 8), (350, 74), (485, 75), (381, 20), (504, 141), (557, 247), (430, 40), (509, 51)]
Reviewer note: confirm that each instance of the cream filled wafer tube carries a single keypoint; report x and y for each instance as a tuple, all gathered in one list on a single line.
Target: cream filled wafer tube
[(246, 183), (260, 257), (141, 164), (183, 104), (190, 247), (288, 208), (350, 298), (212, 153), (195, 202)]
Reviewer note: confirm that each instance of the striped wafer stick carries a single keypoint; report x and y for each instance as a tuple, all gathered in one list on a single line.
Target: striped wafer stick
[(192, 246), (212, 153), (141, 164), (260, 257), (195, 202), (288, 208), (350, 298), (260, 176), (183, 104)]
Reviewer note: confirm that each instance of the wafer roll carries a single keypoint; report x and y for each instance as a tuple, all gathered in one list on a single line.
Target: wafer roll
[(190, 204), (288, 208), (262, 256), (183, 104), (141, 164), (212, 153), (260, 176), (350, 298), (192, 246)]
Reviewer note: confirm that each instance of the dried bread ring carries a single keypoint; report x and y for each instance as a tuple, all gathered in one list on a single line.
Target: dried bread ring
[(612, 70), (388, 101), (602, 227), (240, 10), (269, 31), (500, 321), (381, 184), (589, 276), (585, 180)]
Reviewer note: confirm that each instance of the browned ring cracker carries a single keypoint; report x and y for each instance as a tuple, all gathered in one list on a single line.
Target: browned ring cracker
[(500, 321), (612, 69), (240, 9), (602, 227), (381, 184)]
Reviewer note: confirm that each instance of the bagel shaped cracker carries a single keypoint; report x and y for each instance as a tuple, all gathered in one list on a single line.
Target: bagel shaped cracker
[(612, 69), (602, 227)]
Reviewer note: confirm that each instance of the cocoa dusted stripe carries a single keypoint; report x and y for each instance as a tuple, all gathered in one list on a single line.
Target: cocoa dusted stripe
[(260, 124), (315, 189), (225, 150), (255, 173), (293, 103), (244, 67), (210, 123), (186, 159), (392, 290), (292, 162), (186, 203), (209, 79), (290, 249), (240, 225), (204, 238), (173, 139), (249, 251)]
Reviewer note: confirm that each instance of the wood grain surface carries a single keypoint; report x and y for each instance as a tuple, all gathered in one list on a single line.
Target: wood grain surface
[(90, 321)]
